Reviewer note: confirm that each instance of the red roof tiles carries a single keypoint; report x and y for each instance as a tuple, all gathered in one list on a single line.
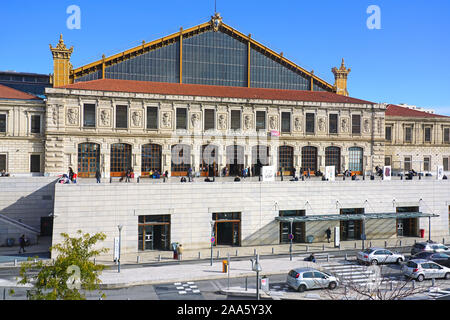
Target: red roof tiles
[(397, 111), (211, 91), (10, 93)]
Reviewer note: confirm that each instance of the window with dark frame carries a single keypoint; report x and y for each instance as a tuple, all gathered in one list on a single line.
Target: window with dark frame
[(35, 163), (182, 118), (407, 165), (35, 124), (210, 123), (426, 163), (3, 162), (445, 163), (89, 115), (387, 161), (427, 134), (356, 124), (388, 133), (408, 134), (260, 120), (333, 123), (446, 135), (235, 119), (152, 117), (122, 117), (286, 122), (3, 122), (310, 119)]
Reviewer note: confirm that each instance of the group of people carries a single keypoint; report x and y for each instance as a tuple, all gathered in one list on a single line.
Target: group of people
[(3, 173), (69, 177)]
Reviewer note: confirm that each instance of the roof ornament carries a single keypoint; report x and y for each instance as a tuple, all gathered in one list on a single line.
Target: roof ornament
[(216, 21)]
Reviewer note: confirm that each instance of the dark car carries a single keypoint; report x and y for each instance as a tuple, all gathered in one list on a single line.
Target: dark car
[(440, 258), (429, 247)]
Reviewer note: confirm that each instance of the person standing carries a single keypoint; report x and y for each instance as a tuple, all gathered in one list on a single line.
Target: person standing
[(180, 251), (70, 174), (98, 175), (190, 174), (328, 233), (22, 244)]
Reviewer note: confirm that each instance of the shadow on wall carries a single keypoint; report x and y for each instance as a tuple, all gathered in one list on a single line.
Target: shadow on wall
[(27, 208), (317, 229), (268, 234)]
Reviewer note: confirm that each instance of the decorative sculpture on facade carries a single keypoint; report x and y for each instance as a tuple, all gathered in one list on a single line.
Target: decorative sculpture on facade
[(248, 122), (166, 120), (104, 117), (136, 117), (222, 121), (344, 125), (298, 124), (366, 126), (195, 120), (321, 124), (72, 116), (273, 123)]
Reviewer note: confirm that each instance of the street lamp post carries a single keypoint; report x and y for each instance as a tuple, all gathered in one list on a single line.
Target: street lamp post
[(120, 241), (256, 267), (291, 236)]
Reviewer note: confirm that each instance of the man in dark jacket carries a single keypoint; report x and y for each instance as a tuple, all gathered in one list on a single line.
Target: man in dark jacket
[(328, 232), (22, 244), (98, 175)]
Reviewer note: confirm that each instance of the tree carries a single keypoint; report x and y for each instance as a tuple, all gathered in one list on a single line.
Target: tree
[(71, 271)]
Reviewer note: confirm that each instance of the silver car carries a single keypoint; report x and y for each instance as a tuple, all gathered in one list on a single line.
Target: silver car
[(379, 255), (421, 269), (309, 278), (429, 247)]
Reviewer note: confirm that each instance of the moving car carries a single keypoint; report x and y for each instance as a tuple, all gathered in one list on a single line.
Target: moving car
[(421, 269), (379, 255), (302, 279), (440, 258), (429, 247)]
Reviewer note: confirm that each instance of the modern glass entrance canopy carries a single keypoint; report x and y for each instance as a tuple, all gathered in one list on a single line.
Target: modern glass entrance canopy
[(343, 217)]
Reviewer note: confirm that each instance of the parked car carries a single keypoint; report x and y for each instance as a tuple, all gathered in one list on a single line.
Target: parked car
[(429, 247), (379, 255), (440, 258), (421, 269), (309, 278)]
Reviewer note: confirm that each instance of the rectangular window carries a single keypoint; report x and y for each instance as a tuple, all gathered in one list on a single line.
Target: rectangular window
[(310, 122), (408, 134), (407, 165), (35, 124), (445, 163), (333, 123), (152, 117), (285, 122), (428, 134), (388, 133), (426, 163), (235, 119), (122, 117), (260, 120), (387, 161), (356, 124), (3, 162), (182, 118), (35, 163), (89, 115), (2, 122), (446, 135), (210, 124)]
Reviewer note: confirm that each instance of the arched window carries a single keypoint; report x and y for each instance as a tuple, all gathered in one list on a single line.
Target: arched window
[(88, 159), (286, 159), (151, 158), (355, 159), (309, 158), (120, 159), (333, 157), (181, 159)]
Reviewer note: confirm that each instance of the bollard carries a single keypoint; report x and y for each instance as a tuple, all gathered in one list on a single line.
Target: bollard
[(254, 252), (15, 262), (339, 246), (370, 244), (236, 253), (413, 284), (199, 256), (415, 241), (355, 245), (385, 244), (346, 258), (218, 253), (345, 288), (443, 240), (328, 257), (159, 258), (323, 247), (306, 248), (273, 250), (400, 243), (138, 258), (391, 285), (246, 283)]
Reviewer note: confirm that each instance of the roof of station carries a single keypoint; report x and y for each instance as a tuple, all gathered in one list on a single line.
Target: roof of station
[(368, 216), (13, 94), (149, 87), (398, 111)]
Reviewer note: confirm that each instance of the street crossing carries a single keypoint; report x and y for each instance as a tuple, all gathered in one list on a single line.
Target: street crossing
[(186, 288), (350, 273)]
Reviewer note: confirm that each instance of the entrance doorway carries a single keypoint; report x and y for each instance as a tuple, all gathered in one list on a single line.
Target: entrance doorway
[(298, 228), (351, 229), (88, 159), (227, 228), (235, 160), (154, 232), (407, 227), (260, 158)]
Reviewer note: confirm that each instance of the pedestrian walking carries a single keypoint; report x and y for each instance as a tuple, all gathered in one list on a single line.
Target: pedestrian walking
[(328, 233), (70, 174), (22, 244), (180, 251), (98, 175), (190, 174)]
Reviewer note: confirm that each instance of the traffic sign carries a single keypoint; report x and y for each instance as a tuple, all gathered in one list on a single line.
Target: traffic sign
[(213, 239), (291, 236)]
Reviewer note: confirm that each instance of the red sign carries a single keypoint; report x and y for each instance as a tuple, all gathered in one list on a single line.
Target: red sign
[(274, 133)]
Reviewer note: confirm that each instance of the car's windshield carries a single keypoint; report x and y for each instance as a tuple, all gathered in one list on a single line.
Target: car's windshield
[(368, 251), (411, 264)]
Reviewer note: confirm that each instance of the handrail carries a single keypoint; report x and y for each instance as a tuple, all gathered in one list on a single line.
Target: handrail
[(18, 224)]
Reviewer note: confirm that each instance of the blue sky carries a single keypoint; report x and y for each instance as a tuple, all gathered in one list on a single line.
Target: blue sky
[(406, 61)]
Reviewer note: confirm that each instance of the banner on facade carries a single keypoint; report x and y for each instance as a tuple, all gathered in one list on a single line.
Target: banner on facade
[(440, 172), (274, 133), (337, 235), (330, 173), (387, 173), (116, 248), (268, 173)]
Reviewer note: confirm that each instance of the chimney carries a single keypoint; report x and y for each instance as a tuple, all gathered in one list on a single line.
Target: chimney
[(61, 63), (340, 79)]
